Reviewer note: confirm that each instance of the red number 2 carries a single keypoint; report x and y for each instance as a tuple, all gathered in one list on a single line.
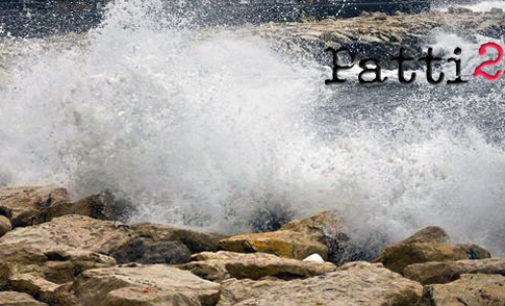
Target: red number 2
[(482, 52)]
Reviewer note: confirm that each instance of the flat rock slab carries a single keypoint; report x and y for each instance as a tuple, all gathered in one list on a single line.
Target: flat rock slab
[(470, 289), (222, 265), (441, 272), (358, 283), (143, 285)]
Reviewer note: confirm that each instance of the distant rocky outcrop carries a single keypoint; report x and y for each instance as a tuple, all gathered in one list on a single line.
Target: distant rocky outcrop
[(378, 35)]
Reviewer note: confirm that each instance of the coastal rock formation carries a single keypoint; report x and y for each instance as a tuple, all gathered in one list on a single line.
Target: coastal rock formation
[(470, 289), (222, 265), (5, 225), (12, 298), (440, 272), (60, 250), (427, 245), (377, 35), (24, 206), (297, 239), (32, 205), (143, 285), (358, 283)]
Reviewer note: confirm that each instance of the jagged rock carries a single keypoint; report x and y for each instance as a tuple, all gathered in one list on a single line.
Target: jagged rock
[(12, 298), (440, 272), (24, 205), (470, 289), (5, 225), (222, 265), (358, 283), (297, 239), (427, 245), (143, 285)]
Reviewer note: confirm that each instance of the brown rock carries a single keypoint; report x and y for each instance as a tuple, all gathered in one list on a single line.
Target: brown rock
[(470, 289), (358, 283), (59, 250), (222, 265), (41, 288), (28, 205), (428, 244), (5, 225), (23, 205), (428, 234), (282, 243), (12, 298), (297, 239), (234, 291), (441, 272), (143, 285)]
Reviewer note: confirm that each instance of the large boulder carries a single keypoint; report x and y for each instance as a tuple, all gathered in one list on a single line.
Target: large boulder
[(297, 239), (143, 285), (32, 205), (5, 225), (12, 298), (358, 283), (24, 205), (428, 245), (222, 265), (441, 272), (470, 289)]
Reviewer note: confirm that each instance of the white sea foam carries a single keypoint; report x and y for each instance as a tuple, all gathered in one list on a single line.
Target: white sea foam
[(200, 127)]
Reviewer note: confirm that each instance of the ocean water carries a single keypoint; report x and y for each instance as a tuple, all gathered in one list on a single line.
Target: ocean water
[(204, 126)]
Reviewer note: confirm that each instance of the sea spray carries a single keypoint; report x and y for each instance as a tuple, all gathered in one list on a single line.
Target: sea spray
[(201, 126)]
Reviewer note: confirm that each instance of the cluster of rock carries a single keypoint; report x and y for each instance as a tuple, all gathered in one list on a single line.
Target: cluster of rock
[(379, 35), (57, 252)]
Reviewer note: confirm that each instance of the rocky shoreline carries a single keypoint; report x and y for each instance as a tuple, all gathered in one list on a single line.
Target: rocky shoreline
[(379, 35), (54, 251)]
